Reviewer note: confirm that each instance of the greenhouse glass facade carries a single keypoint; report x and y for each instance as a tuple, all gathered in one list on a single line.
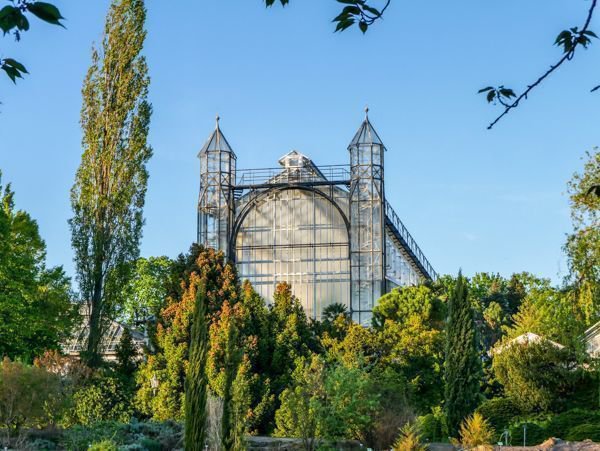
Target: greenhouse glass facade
[(326, 230)]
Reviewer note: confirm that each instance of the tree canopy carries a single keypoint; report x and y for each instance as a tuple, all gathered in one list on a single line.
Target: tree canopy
[(35, 301)]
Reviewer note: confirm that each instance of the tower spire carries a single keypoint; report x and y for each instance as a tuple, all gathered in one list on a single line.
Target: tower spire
[(216, 141), (366, 134)]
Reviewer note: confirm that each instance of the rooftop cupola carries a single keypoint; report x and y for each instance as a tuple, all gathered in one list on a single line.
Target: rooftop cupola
[(366, 135), (217, 142)]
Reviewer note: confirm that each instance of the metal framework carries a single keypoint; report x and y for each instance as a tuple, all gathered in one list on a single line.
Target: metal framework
[(328, 230)]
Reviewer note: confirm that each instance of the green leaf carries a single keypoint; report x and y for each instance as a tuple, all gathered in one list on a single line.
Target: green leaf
[(590, 33), (10, 16), (489, 88), (343, 24), (22, 23), (491, 96), (11, 72), (11, 62), (363, 26), (354, 10), (508, 93), (47, 12), (372, 10)]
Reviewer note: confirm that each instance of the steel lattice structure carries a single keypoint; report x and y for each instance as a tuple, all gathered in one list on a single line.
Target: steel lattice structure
[(328, 230)]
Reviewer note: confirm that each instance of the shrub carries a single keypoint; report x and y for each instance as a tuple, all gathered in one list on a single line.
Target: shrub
[(499, 412), (433, 426), (476, 431), (536, 433), (584, 432), (79, 438), (40, 444), (142, 436), (538, 377), (409, 439), (105, 445), (27, 395), (102, 399), (150, 445), (560, 425)]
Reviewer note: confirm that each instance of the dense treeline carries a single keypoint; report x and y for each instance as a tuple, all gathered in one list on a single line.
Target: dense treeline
[(269, 369)]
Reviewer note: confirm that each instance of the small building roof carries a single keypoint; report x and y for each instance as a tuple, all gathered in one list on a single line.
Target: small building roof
[(526, 339)]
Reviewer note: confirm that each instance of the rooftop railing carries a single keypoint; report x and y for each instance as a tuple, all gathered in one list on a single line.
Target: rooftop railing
[(412, 245), (293, 174)]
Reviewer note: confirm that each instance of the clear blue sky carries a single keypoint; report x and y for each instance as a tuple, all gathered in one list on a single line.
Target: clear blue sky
[(281, 80)]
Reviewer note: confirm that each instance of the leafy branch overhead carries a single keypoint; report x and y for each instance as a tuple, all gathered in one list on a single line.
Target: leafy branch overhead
[(569, 40), (361, 13), (354, 12), (13, 19)]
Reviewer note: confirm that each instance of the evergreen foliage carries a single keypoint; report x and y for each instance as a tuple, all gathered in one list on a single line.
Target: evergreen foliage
[(476, 432), (110, 185), (127, 356), (462, 366), (196, 383), (166, 368), (229, 431), (537, 377), (409, 439)]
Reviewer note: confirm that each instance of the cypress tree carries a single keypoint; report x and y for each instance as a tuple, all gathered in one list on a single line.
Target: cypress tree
[(196, 381), (462, 366), (229, 431)]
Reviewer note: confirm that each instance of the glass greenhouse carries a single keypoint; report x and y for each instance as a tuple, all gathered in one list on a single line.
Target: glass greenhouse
[(326, 230)]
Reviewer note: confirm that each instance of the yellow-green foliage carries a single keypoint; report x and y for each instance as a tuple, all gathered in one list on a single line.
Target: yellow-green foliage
[(475, 431), (409, 439), (105, 445)]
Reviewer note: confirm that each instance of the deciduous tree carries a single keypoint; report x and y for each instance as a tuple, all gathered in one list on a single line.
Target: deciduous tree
[(110, 186), (35, 301)]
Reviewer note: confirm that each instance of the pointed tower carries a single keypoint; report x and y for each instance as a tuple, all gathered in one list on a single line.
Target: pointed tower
[(216, 202), (367, 221)]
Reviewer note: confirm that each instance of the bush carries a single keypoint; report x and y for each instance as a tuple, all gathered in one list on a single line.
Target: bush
[(41, 444), (409, 439), (105, 445), (538, 377), (536, 434), (102, 399), (433, 426), (27, 395), (80, 437), (499, 412), (584, 432), (560, 425), (142, 436), (475, 431)]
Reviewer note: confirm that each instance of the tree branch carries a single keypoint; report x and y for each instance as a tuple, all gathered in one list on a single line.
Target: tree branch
[(566, 57)]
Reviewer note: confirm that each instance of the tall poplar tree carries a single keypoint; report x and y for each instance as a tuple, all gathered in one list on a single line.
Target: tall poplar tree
[(110, 185), (462, 365), (196, 381)]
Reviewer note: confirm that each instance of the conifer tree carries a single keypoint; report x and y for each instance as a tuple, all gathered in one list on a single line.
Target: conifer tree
[(110, 186), (462, 365), (229, 431), (126, 354), (196, 381)]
